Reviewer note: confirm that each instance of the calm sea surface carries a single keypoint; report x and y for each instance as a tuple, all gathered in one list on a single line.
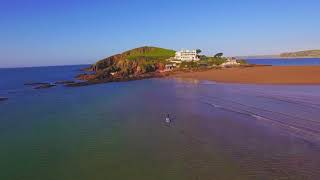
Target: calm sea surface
[(286, 62), (117, 130)]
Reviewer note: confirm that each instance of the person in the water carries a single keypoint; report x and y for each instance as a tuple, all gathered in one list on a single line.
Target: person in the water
[(168, 119)]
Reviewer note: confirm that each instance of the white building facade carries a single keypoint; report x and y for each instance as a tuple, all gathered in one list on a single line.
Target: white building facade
[(186, 55)]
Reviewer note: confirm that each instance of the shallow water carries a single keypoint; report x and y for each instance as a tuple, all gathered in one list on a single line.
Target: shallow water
[(118, 130)]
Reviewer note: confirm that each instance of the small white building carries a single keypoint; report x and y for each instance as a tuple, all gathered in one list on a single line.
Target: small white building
[(186, 55), (231, 62)]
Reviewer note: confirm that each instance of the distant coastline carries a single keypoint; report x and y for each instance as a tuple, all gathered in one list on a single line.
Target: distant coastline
[(285, 62), (277, 57), (288, 55)]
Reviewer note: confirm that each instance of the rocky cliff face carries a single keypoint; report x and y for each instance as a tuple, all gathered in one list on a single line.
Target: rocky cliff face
[(131, 63)]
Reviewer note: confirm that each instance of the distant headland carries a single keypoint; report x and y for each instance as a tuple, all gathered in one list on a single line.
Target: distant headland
[(302, 54), (288, 55)]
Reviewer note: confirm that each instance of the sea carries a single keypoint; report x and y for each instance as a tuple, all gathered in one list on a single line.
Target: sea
[(118, 130)]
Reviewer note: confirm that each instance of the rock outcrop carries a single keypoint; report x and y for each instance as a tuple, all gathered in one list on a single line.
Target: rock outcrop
[(3, 98), (144, 62), (45, 86), (64, 82), (40, 85)]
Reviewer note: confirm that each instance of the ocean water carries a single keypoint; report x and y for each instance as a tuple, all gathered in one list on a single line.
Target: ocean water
[(286, 62), (118, 130)]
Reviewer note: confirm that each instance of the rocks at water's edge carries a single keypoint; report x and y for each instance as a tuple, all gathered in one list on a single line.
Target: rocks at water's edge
[(40, 85), (3, 98), (88, 80), (44, 86), (36, 83), (64, 82)]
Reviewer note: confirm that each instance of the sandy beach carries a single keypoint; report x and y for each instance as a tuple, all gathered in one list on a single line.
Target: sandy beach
[(259, 75)]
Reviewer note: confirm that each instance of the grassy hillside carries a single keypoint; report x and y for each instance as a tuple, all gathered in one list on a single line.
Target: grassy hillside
[(309, 53), (149, 53), (133, 62)]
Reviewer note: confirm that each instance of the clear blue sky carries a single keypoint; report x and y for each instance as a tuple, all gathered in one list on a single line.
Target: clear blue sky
[(56, 32)]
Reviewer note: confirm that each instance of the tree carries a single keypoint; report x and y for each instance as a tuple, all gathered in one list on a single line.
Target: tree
[(219, 55), (198, 51)]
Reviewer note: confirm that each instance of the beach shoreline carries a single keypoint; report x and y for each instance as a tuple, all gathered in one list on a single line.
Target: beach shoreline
[(271, 75)]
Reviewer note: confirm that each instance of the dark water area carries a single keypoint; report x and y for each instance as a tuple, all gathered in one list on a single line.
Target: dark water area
[(286, 62), (118, 130), (14, 78)]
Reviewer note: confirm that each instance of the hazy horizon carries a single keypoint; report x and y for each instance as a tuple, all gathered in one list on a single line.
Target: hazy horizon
[(45, 33)]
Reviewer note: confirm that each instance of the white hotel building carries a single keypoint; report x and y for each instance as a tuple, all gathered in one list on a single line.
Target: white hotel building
[(186, 55)]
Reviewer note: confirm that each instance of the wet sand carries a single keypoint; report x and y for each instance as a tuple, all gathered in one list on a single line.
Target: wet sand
[(259, 75)]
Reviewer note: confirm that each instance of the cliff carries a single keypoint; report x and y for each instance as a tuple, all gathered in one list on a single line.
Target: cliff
[(129, 65)]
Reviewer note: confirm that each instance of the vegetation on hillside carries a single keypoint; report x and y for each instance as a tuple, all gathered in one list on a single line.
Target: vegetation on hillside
[(214, 60), (150, 53), (208, 62), (205, 62), (218, 55)]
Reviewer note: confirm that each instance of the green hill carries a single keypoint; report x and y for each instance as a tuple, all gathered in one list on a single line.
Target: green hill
[(302, 54), (133, 62), (150, 53)]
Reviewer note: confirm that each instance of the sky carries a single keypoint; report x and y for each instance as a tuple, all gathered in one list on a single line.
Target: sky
[(65, 32)]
